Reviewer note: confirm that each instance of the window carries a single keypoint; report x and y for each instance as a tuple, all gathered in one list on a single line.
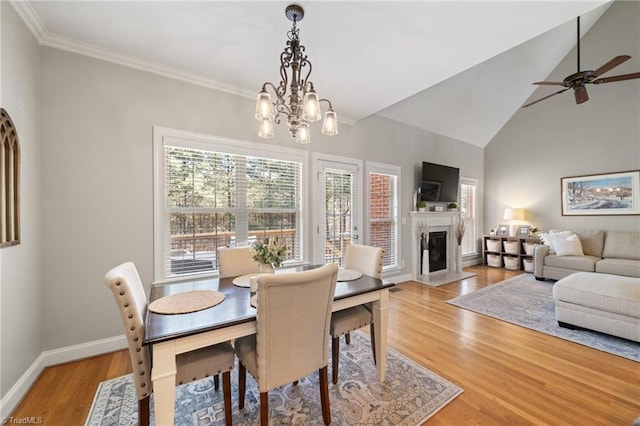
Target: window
[(383, 211), (213, 192), (10, 182), (469, 211)]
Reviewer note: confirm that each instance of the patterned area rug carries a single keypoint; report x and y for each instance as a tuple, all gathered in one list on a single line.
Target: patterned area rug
[(410, 395), (524, 301)]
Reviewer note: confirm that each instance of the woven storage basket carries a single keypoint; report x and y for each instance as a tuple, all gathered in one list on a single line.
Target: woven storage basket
[(511, 247), (529, 247), (511, 262), (528, 265), (493, 245), (493, 260)]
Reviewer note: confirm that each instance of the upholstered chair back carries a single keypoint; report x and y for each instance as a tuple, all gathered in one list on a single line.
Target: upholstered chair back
[(294, 311), (235, 261), (128, 292), (366, 259)]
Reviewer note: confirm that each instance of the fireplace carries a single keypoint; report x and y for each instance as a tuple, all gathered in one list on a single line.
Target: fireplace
[(437, 251), (442, 245)]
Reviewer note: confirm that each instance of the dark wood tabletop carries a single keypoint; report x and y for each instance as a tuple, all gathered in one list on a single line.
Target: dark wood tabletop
[(234, 309)]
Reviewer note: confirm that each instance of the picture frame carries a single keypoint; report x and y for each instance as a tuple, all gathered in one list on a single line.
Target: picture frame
[(615, 193), (523, 231), (502, 230)]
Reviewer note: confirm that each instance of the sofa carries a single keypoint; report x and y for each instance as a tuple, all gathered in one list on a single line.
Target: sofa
[(598, 251)]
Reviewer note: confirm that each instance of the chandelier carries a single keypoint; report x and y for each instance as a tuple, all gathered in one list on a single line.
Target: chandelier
[(303, 108)]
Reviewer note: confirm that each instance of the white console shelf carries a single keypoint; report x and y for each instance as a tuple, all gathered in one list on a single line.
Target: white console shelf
[(437, 222)]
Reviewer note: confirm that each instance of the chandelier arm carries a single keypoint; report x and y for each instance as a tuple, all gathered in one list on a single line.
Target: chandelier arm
[(304, 81), (327, 101)]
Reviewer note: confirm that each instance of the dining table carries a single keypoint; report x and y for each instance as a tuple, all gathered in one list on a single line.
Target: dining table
[(169, 335)]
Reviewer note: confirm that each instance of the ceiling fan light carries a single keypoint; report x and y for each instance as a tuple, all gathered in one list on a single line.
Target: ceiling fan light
[(330, 123)]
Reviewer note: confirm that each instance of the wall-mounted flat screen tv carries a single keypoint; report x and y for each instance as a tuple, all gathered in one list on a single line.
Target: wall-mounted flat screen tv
[(439, 183)]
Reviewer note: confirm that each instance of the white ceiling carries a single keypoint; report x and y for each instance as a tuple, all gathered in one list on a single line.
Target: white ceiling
[(430, 64)]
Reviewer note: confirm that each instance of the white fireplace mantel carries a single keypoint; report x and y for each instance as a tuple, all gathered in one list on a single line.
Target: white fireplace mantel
[(436, 221)]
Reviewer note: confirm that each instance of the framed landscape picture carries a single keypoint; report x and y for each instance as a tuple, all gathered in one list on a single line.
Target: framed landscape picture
[(606, 194)]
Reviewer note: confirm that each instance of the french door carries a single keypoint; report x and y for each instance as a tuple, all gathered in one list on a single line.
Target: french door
[(338, 214)]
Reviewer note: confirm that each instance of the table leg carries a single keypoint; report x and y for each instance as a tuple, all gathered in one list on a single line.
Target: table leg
[(163, 375), (380, 323)]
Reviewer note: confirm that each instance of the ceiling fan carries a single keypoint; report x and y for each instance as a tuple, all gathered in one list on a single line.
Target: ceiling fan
[(580, 79)]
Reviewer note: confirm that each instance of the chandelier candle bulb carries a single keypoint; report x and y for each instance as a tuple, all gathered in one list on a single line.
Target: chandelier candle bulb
[(330, 123), (266, 129), (303, 106)]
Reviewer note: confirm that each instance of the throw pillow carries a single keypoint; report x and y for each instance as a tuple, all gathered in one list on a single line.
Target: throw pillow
[(549, 238), (568, 247)]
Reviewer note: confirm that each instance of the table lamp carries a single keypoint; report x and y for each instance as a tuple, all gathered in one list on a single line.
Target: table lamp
[(513, 216)]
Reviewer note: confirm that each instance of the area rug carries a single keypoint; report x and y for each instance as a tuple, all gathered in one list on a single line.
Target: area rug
[(524, 301), (410, 395)]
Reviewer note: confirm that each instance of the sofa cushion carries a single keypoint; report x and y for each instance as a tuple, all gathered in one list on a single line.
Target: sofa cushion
[(569, 247), (622, 245), (550, 238), (592, 241), (627, 267), (577, 263)]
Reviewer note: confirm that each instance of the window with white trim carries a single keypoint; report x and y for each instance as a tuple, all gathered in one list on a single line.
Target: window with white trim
[(469, 212), (214, 192), (384, 184)]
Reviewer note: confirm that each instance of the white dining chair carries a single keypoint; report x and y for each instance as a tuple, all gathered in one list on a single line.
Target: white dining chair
[(128, 292), (368, 260), (236, 261), (291, 342)]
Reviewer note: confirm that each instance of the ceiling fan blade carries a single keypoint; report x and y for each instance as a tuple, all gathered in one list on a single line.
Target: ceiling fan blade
[(545, 97), (581, 94), (549, 83), (611, 64), (617, 78)]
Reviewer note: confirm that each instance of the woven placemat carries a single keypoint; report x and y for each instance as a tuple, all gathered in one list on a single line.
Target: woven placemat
[(243, 280), (348, 274), (189, 301)]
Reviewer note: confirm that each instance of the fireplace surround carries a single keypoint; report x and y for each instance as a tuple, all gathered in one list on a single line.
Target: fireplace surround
[(437, 222)]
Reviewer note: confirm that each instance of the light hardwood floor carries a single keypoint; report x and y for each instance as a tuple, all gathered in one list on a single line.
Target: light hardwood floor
[(510, 375)]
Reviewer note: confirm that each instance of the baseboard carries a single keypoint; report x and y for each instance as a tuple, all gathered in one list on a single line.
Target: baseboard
[(399, 278), (53, 357), (84, 350)]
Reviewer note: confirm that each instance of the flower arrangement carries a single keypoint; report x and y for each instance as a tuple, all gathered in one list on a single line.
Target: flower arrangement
[(269, 252), (460, 230)]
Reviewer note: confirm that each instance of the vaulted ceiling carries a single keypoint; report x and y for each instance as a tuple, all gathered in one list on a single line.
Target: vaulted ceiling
[(457, 68)]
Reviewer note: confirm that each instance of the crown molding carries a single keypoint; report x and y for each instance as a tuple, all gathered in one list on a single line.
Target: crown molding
[(44, 38)]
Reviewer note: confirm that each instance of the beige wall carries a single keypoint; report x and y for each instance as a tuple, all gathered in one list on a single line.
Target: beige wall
[(557, 138), (21, 280)]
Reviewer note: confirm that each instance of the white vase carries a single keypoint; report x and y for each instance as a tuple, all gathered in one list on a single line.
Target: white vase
[(265, 268), (459, 259), (425, 262)]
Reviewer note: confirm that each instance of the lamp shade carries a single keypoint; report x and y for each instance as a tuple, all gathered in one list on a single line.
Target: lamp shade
[(513, 214)]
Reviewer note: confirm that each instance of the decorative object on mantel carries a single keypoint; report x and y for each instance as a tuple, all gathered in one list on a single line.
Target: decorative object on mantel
[(10, 176), (304, 105), (268, 253), (460, 228), (422, 206), (604, 194), (452, 207)]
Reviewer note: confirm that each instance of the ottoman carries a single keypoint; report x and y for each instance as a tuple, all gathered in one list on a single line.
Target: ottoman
[(601, 302)]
